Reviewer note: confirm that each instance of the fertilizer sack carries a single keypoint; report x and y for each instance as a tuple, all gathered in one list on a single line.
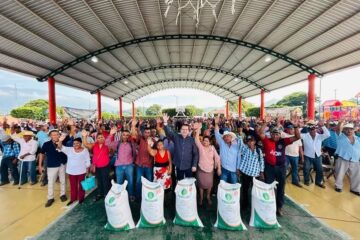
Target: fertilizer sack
[(119, 217), (263, 205), (186, 208), (152, 205), (228, 213)]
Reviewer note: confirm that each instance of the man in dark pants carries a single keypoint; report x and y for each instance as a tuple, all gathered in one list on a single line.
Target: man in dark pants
[(10, 152), (275, 163), (186, 155)]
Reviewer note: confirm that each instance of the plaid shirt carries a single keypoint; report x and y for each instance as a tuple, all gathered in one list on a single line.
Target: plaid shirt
[(250, 162), (9, 151)]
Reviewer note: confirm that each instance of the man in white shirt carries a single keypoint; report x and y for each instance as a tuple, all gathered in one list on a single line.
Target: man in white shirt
[(27, 156), (294, 153), (312, 151)]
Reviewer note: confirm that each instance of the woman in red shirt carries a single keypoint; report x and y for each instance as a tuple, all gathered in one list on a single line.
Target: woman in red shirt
[(162, 164), (100, 163)]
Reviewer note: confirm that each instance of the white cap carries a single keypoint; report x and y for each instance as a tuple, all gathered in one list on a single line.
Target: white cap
[(349, 125)]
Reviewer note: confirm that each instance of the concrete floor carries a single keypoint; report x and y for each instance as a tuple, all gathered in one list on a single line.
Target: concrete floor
[(23, 215)]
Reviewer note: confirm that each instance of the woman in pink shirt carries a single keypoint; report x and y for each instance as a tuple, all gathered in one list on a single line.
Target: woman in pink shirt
[(100, 163), (208, 161)]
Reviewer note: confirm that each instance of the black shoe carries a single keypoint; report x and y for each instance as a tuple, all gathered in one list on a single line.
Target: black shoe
[(279, 213), (63, 198), (4, 183), (81, 202), (15, 183), (356, 193), (338, 189), (298, 185), (307, 184), (49, 202), (97, 198), (43, 184), (69, 203), (23, 183), (33, 183), (320, 185)]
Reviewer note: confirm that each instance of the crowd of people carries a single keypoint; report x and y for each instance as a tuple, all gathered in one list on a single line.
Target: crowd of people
[(167, 149)]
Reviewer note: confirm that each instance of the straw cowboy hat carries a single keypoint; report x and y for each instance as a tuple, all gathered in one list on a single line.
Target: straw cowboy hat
[(349, 125), (311, 122), (28, 133), (233, 136)]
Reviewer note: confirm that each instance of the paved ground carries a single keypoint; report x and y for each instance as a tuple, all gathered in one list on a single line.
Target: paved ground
[(87, 221)]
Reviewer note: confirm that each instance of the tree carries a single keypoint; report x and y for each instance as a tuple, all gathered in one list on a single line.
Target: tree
[(153, 110), (253, 112), (234, 106), (40, 103), (109, 115), (169, 111), (28, 112)]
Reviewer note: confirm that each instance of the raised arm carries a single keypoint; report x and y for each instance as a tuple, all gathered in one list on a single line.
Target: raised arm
[(169, 132), (84, 135), (326, 132), (151, 151), (218, 137)]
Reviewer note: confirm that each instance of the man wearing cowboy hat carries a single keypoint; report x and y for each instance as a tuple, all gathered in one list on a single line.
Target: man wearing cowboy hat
[(348, 152), (228, 154), (27, 156), (312, 151), (10, 152), (275, 161)]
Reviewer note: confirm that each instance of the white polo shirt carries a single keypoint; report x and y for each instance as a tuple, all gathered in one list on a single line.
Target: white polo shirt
[(77, 162), (313, 146), (26, 147)]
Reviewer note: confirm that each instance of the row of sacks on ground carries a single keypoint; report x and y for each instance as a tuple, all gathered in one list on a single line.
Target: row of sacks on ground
[(263, 206)]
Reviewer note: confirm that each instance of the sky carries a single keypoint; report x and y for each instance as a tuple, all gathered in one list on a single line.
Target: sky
[(345, 84)]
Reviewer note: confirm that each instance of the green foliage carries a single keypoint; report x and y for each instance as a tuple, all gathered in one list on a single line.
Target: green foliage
[(294, 99), (191, 110), (109, 115), (234, 106), (169, 111), (154, 110), (253, 112), (40, 103), (29, 112)]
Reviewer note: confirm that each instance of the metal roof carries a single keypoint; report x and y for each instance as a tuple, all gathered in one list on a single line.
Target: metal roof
[(265, 44)]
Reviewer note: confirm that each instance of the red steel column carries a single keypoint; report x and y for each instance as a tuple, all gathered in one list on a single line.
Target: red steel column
[(120, 107), (52, 100), (240, 106), (98, 94), (311, 97), (227, 110), (262, 104), (133, 113)]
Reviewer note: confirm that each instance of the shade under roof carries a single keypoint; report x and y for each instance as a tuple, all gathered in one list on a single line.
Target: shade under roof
[(263, 45)]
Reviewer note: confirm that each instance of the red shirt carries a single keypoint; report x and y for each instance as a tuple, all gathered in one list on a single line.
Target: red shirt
[(275, 151), (143, 158), (100, 155)]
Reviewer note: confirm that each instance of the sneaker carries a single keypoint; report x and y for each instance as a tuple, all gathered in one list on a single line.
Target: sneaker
[(356, 193), (49, 202), (298, 185), (320, 185), (4, 183), (63, 198), (69, 203), (338, 189)]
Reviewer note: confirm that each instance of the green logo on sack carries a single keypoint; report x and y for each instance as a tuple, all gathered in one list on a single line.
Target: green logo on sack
[(183, 192), (228, 197), (151, 195), (266, 196)]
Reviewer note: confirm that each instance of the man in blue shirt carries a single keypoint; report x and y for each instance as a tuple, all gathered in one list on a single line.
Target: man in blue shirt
[(330, 143), (229, 149), (10, 152), (348, 152)]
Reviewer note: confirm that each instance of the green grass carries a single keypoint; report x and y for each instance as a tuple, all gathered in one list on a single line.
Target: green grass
[(87, 221)]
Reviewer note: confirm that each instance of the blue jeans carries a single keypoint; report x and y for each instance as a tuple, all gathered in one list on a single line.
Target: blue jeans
[(316, 162), (28, 166), (227, 176), (182, 174), (294, 162), (127, 171), (146, 172)]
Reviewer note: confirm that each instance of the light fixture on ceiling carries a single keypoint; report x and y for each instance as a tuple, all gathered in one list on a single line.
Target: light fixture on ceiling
[(236, 79), (126, 81), (94, 59), (267, 58)]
